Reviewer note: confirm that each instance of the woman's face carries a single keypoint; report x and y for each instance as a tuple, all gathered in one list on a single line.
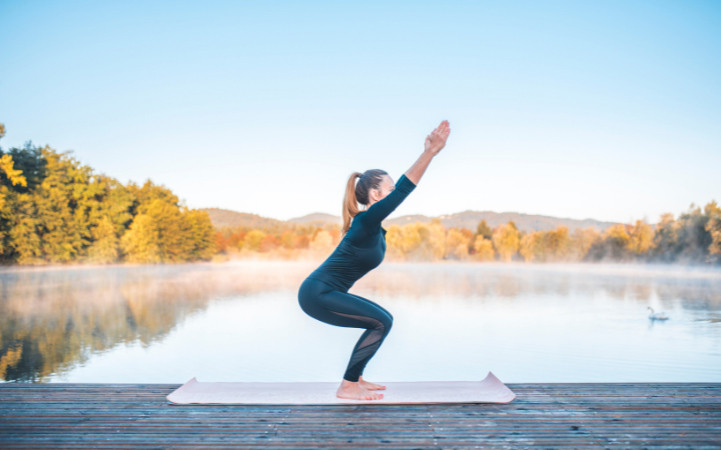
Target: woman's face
[(386, 187)]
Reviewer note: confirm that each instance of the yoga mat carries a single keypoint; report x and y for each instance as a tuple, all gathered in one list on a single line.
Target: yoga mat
[(488, 390)]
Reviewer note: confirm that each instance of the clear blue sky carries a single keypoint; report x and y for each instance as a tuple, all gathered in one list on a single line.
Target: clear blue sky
[(609, 110)]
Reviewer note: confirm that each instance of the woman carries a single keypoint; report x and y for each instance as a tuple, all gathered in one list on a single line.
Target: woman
[(324, 294)]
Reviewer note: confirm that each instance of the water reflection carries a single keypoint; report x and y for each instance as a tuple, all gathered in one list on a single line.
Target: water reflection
[(700, 288), (53, 321)]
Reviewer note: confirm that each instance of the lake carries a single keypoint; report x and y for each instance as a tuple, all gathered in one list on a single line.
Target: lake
[(240, 321)]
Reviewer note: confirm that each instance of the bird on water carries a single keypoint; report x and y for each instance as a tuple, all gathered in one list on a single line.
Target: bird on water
[(657, 315)]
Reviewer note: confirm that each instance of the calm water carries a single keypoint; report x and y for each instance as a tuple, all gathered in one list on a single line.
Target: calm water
[(240, 321)]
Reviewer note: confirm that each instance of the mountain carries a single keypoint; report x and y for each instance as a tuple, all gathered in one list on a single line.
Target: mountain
[(466, 219), (227, 218), (317, 219), (525, 222)]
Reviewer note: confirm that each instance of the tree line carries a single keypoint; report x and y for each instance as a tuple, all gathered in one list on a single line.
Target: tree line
[(694, 237), (55, 210)]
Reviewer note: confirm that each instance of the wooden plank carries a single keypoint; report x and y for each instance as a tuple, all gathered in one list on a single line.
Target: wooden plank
[(556, 415)]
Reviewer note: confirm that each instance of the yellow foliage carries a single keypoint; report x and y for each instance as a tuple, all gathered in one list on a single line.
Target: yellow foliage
[(10, 359), (506, 239), (322, 242), (641, 238), (15, 176), (713, 226), (618, 234), (105, 247), (140, 242), (530, 246), (483, 249), (582, 240), (252, 240), (288, 239), (456, 244), (417, 241)]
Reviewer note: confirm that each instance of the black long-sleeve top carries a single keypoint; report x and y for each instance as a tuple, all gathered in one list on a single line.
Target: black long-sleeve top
[(363, 247)]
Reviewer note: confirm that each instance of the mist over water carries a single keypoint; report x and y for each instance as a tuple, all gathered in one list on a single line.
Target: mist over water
[(240, 321)]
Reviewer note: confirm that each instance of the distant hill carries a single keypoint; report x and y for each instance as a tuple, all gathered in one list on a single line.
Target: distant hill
[(466, 219), (317, 219), (227, 218), (525, 222)]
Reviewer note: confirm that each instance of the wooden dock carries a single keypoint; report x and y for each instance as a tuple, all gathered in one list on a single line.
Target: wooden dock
[(548, 415)]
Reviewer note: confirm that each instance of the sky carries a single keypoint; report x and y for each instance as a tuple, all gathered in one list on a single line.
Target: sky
[(606, 110)]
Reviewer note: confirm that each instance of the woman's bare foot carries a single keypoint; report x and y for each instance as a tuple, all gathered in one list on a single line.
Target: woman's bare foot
[(355, 391), (370, 386)]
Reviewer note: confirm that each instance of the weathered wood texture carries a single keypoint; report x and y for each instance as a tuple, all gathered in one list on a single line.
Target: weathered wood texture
[(551, 415)]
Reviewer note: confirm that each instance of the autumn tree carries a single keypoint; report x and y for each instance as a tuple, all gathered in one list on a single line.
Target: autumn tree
[(713, 227), (402, 240), (322, 243), (288, 239), (10, 178), (665, 239), (456, 244), (506, 240), (61, 208), (200, 235), (694, 240), (484, 230), (252, 240), (640, 239), (483, 249), (531, 246), (582, 240), (106, 245), (613, 245), (140, 242)]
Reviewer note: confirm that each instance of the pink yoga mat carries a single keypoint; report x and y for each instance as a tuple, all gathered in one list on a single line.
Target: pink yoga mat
[(488, 390)]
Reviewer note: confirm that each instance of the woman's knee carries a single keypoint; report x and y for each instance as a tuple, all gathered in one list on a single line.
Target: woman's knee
[(387, 323)]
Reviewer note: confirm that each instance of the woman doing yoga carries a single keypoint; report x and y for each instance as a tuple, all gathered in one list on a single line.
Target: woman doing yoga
[(324, 294)]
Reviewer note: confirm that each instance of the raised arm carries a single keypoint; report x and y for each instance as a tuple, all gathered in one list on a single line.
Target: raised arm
[(435, 142), (433, 145)]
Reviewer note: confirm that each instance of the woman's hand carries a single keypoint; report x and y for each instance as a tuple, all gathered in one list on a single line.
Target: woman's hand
[(437, 139), (434, 143)]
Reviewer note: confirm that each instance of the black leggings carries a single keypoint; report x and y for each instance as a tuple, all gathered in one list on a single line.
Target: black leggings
[(323, 302)]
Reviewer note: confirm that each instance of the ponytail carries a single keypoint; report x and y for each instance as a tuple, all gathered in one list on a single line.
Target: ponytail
[(358, 193), (350, 203)]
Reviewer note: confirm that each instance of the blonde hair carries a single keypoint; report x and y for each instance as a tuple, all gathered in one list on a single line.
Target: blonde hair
[(358, 193)]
